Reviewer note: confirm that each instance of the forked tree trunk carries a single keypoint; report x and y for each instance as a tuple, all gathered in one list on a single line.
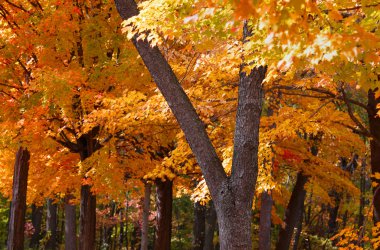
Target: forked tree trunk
[(199, 226), (51, 224), (145, 216), (232, 195), (18, 207), (164, 201), (36, 221), (210, 227), (374, 125), (293, 213), (265, 220), (70, 225)]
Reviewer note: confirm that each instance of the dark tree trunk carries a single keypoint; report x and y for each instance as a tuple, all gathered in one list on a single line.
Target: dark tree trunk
[(297, 234), (87, 219), (70, 225), (18, 206), (333, 214), (145, 217), (36, 221), (210, 227), (107, 230), (51, 224), (164, 201), (265, 221), (374, 124), (293, 213), (199, 226), (232, 195), (121, 234), (362, 193)]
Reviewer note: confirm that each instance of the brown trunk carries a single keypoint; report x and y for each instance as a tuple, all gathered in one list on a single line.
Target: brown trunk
[(333, 213), (18, 207), (70, 225), (36, 221), (87, 219), (293, 213), (210, 227), (199, 226), (145, 218), (374, 124), (265, 221), (232, 195), (164, 190), (51, 224)]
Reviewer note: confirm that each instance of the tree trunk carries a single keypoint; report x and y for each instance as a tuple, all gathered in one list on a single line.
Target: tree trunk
[(232, 195), (145, 218), (121, 234), (210, 227), (297, 233), (333, 214), (265, 221), (164, 201), (362, 193), (374, 125), (87, 219), (18, 206), (70, 225), (51, 224), (36, 221), (199, 226), (293, 213)]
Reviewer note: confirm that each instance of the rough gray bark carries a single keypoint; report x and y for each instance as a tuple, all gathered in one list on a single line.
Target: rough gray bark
[(36, 221), (51, 224), (70, 225), (199, 226), (294, 212), (164, 201), (232, 195), (265, 221), (145, 218), (210, 227), (18, 206)]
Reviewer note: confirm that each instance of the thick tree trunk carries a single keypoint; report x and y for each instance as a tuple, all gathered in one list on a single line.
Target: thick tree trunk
[(18, 206), (374, 124), (51, 224), (232, 195), (164, 201), (210, 227), (70, 225), (199, 226), (145, 216), (297, 233), (265, 221), (87, 219), (36, 221), (293, 213)]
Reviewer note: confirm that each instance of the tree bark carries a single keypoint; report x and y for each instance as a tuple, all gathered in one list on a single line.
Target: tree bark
[(199, 226), (145, 218), (333, 214), (164, 201), (18, 207), (51, 224), (294, 212), (70, 225), (121, 234), (87, 219), (362, 193), (265, 221), (374, 125), (36, 221), (232, 195), (210, 227)]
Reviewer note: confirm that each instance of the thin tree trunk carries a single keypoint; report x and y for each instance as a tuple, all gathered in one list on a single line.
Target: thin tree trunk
[(37, 212), (294, 212), (121, 234), (374, 124), (51, 224), (362, 193), (145, 216), (70, 225), (210, 227), (164, 190), (265, 221), (199, 226), (18, 205), (232, 195), (333, 214)]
